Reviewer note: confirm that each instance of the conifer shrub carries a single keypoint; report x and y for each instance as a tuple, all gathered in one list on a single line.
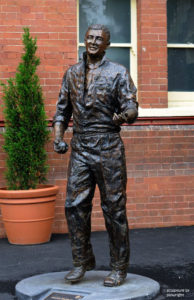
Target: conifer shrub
[(26, 131)]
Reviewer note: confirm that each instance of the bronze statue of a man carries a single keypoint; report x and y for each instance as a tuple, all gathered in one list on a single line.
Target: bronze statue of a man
[(100, 95)]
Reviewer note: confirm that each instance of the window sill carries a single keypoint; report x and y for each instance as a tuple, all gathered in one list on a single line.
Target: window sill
[(182, 111)]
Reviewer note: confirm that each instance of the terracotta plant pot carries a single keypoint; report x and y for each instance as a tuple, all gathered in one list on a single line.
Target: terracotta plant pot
[(28, 214)]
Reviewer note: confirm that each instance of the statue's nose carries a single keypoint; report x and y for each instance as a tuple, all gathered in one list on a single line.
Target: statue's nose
[(94, 40)]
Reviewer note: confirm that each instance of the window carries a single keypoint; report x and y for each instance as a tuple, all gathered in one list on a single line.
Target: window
[(180, 17), (120, 18)]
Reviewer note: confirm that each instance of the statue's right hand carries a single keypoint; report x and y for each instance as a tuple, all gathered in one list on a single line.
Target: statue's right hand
[(60, 147)]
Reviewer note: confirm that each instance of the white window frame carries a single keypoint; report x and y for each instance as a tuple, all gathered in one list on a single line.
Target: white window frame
[(180, 99), (132, 46), (180, 104)]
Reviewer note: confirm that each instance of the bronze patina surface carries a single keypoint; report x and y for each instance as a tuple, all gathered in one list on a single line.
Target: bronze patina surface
[(100, 95)]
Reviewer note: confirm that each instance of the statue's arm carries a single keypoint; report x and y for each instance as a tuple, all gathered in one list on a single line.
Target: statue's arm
[(60, 146), (126, 92), (62, 117)]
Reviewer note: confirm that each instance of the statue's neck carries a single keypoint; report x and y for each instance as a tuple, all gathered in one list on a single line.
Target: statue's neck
[(94, 61)]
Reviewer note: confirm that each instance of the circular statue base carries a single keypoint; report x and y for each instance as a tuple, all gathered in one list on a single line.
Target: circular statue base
[(52, 286)]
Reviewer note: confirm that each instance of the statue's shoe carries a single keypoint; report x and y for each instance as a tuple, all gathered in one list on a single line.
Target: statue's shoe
[(115, 278), (77, 273)]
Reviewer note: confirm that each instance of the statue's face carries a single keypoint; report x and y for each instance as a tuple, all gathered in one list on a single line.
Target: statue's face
[(96, 42)]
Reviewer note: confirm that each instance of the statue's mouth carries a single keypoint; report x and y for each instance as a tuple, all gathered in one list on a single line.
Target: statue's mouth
[(93, 48)]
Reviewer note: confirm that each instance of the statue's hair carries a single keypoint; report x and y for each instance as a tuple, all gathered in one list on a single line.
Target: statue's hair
[(100, 27)]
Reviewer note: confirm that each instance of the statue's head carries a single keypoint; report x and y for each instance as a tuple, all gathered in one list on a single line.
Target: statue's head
[(97, 39)]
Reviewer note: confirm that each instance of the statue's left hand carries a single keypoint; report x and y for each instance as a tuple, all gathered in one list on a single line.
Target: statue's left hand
[(128, 116), (118, 119)]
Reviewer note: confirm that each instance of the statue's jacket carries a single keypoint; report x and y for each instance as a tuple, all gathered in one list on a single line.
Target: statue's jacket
[(111, 90)]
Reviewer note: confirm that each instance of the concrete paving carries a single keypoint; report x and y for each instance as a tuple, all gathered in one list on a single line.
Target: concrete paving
[(163, 254)]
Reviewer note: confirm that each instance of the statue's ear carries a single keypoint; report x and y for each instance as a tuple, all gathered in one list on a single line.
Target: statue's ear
[(85, 38), (108, 44)]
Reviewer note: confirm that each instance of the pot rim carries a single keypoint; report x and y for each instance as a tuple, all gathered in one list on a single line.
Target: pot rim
[(42, 191)]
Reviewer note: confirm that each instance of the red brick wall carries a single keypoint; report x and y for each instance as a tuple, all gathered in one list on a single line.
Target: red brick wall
[(160, 159), (54, 23), (160, 168), (152, 53)]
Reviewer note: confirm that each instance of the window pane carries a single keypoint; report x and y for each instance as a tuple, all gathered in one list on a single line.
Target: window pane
[(114, 14), (181, 69), (119, 55), (180, 15)]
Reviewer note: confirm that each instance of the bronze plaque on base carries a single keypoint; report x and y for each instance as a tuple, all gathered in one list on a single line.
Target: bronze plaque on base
[(62, 296)]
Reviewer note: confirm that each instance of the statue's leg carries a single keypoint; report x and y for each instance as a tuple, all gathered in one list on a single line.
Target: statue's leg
[(111, 178), (80, 191)]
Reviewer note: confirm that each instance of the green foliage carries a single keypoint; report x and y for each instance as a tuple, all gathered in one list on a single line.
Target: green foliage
[(26, 130)]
